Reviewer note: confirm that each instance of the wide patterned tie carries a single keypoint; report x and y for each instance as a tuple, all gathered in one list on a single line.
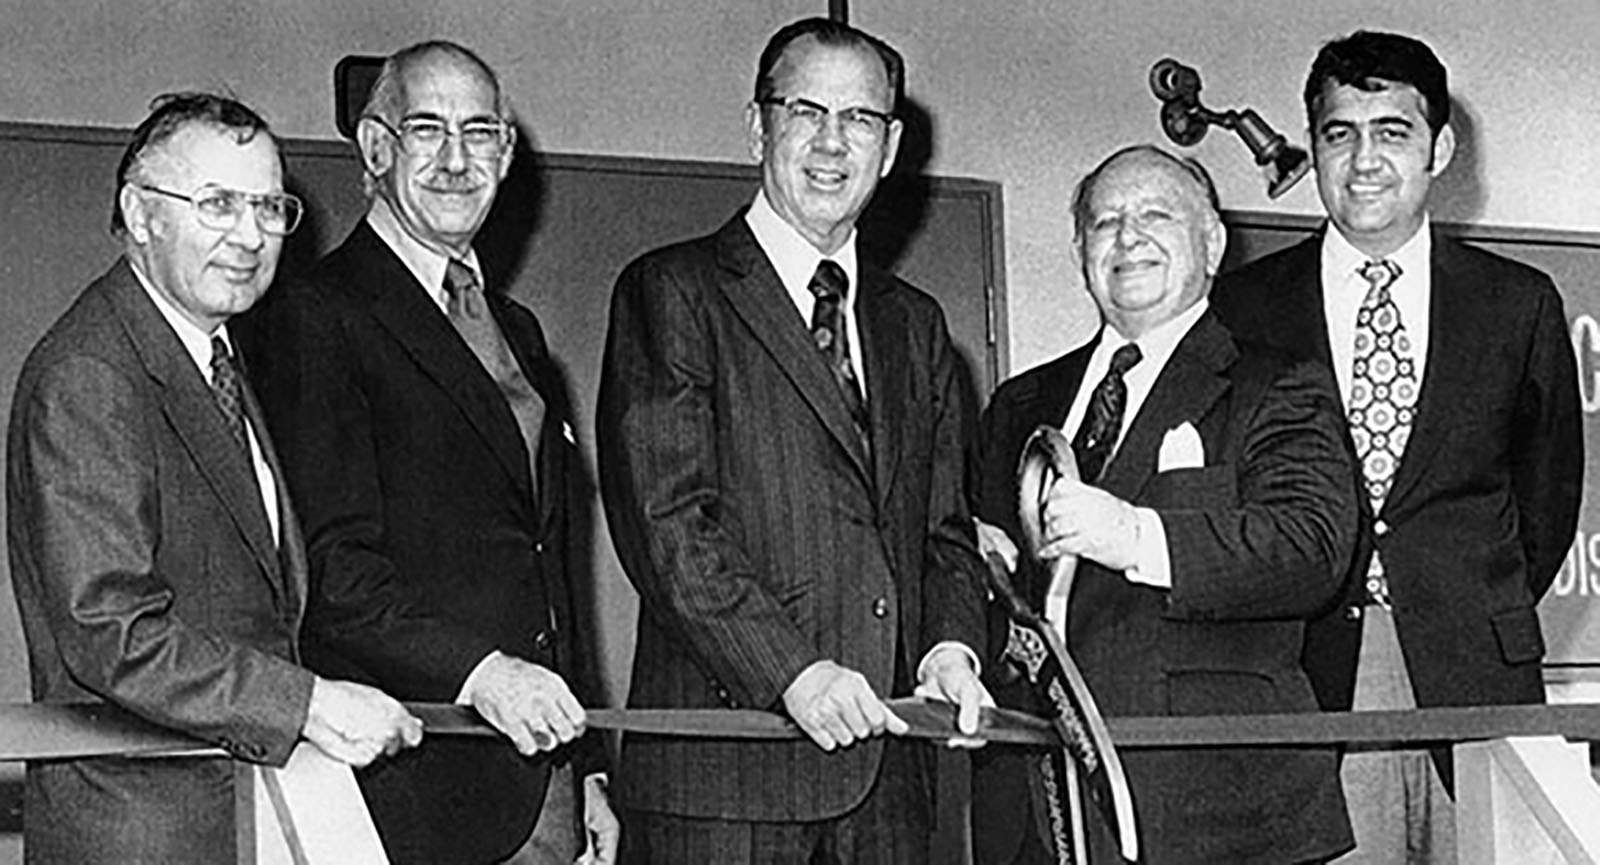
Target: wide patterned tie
[(1102, 422), (469, 312), (229, 393), (1383, 398), (832, 337)]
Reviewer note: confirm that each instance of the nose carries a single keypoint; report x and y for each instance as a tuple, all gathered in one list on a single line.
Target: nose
[(830, 133), (1130, 232), (247, 231), (1365, 152), (453, 152)]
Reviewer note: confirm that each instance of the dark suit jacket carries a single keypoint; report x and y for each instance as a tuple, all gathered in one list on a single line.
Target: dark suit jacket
[(1485, 502), (1258, 539), (147, 577), (758, 533), (428, 547)]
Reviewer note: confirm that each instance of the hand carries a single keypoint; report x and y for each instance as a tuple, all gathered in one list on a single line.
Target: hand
[(354, 723), (993, 539), (531, 705), (948, 675), (605, 831), (1087, 521), (835, 706)]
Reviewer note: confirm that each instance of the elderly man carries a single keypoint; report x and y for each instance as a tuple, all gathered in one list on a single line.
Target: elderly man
[(1214, 511), (1462, 401), (425, 431), (780, 434), (155, 557)]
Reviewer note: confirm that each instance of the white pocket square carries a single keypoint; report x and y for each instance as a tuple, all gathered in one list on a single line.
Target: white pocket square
[(566, 432), (1181, 449)]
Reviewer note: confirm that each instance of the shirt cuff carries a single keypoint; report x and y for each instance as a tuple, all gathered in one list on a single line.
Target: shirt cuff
[(959, 646), (466, 687), (1152, 564)]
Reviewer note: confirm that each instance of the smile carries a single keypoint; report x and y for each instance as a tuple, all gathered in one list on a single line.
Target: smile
[(826, 177)]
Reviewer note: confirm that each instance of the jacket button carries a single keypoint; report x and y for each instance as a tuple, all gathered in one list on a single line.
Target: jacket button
[(538, 548), (1380, 528), (1352, 613), (541, 640), (880, 608)]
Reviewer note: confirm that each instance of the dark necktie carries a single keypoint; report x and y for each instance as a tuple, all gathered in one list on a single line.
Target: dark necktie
[(1102, 422), (469, 313), (832, 337), (1383, 398), (225, 386)]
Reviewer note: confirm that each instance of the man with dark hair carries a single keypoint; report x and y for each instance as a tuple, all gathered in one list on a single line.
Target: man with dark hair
[(425, 431), (1214, 513), (156, 560), (780, 430), (1461, 397)]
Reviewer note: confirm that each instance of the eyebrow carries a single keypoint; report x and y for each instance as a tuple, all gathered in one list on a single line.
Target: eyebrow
[(432, 115), (1384, 120)]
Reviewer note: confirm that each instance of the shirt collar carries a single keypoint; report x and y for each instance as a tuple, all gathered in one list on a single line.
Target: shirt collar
[(1158, 343), (425, 264), (1341, 257), (792, 256), (195, 341)]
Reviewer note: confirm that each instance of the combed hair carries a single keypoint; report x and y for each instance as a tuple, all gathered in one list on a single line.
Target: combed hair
[(170, 113), (1085, 187), (1372, 61), (387, 99), (828, 32)]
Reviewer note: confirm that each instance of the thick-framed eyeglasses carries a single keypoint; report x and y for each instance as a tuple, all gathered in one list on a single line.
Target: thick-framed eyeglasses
[(807, 117), (220, 208), (424, 137)]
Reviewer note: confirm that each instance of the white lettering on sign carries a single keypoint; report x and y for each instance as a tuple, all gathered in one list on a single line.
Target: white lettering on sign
[(1580, 572)]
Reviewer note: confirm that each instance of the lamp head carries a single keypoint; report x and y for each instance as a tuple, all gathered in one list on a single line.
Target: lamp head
[(1185, 120)]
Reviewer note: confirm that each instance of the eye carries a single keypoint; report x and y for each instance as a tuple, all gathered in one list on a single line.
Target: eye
[(425, 130), (807, 111), (1336, 135), (1394, 134), (218, 203), (1155, 215)]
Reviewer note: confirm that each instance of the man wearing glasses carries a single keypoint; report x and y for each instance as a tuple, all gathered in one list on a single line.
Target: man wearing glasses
[(156, 559), (425, 433), (780, 437)]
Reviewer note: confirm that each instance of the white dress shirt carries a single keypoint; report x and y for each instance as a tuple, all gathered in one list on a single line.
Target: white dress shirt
[(1153, 565), (1343, 290), (198, 343), (426, 264)]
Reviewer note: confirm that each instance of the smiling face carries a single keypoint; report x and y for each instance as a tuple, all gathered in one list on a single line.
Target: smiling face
[(1376, 160), (209, 275), (1151, 242), (817, 177), (440, 198)]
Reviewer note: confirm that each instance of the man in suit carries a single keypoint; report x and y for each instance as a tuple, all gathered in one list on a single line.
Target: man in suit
[(157, 563), (1462, 401), (426, 434), (1214, 512), (787, 500)]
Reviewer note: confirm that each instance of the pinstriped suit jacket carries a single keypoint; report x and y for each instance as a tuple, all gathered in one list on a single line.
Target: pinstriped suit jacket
[(758, 533), (1258, 538)]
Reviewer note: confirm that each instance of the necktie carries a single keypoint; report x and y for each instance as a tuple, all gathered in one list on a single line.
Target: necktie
[(828, 330), (1383, 397), (469, 313), (226, 387), (1102, 422)]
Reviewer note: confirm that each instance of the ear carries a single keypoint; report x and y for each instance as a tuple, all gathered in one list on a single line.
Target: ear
[(755, 131), (509, 153), (377, 146), (1444, 147), (1216, 244), (891, 146), (135, 213)]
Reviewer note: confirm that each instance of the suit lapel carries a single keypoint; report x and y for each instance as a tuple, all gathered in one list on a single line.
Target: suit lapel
[(534, 358), (191, 412), (405, 309), (1302, 310), (1188, 386), (883, 345), (1455, 343), (290, 548), (757, 296)]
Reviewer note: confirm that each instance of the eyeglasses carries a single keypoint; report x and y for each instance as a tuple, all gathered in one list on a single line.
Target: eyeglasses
[(220, 209), (859, 124), (425, 136)]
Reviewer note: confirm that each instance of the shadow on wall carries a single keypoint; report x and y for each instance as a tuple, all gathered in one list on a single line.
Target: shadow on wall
[(1459, 195)]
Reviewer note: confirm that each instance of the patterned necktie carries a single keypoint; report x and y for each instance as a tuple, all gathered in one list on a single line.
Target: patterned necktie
[(832, 337), (1383, 397), (226, 387), (1102, 423), (469, 313)]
